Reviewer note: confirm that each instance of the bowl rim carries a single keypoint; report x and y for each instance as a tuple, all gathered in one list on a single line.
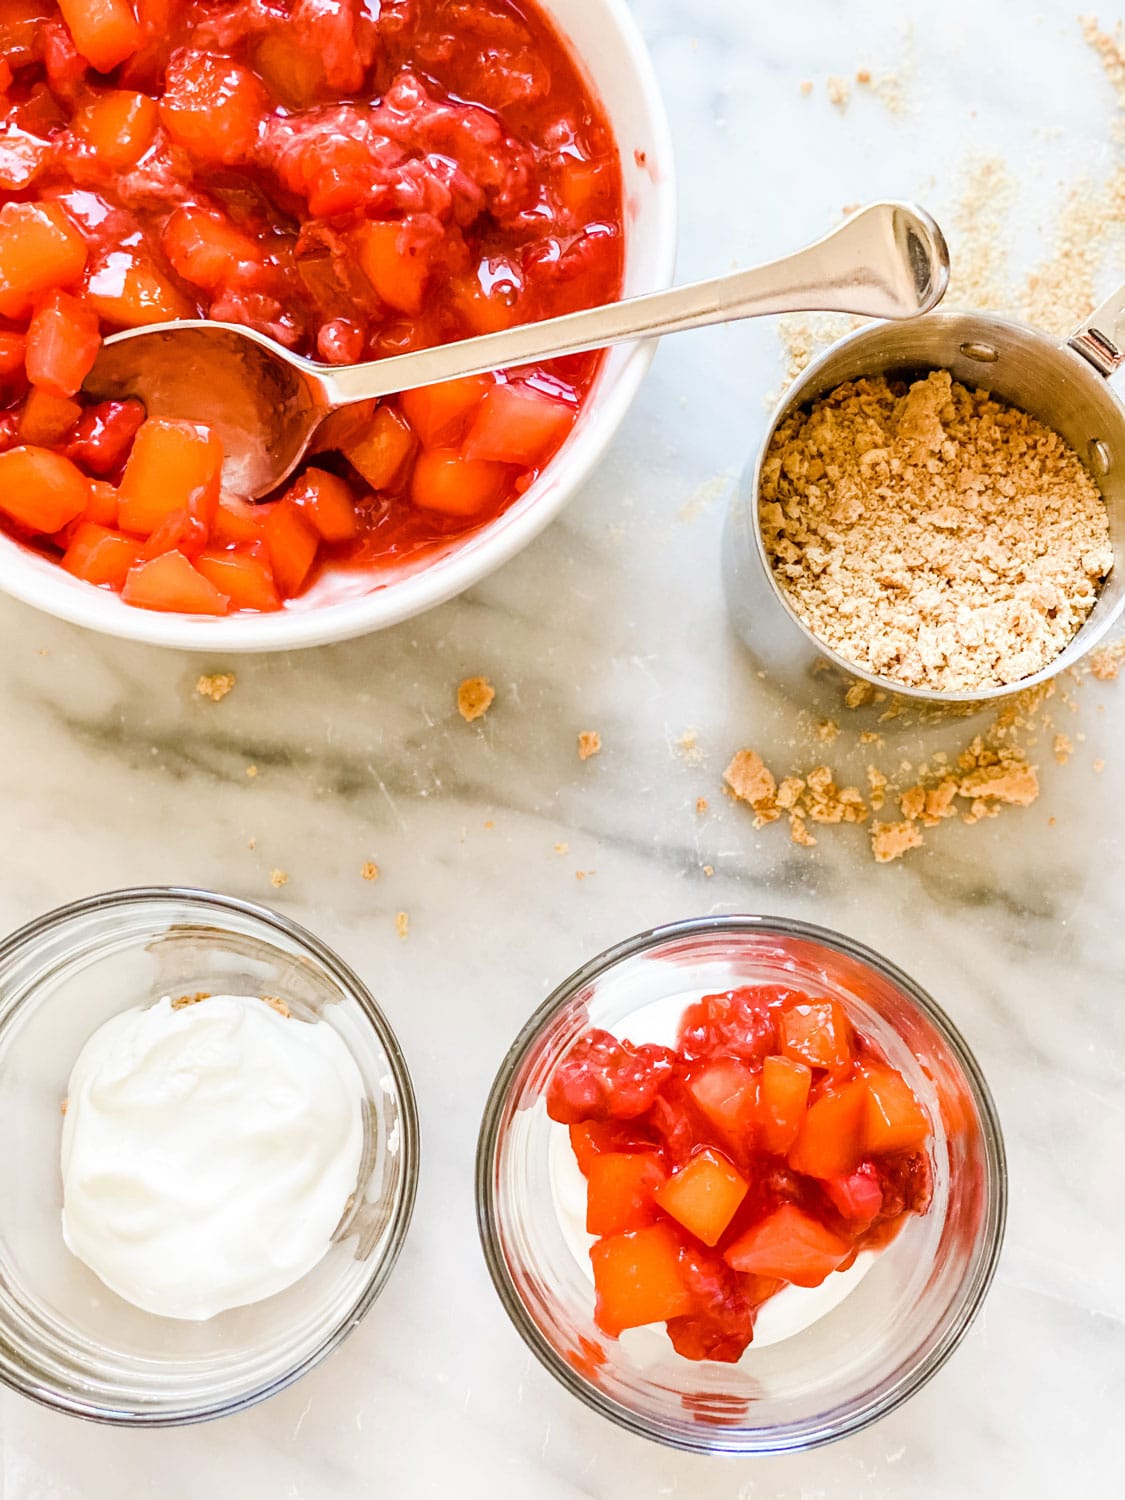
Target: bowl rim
[(721, 1439), (24, 575), (45, 1394)]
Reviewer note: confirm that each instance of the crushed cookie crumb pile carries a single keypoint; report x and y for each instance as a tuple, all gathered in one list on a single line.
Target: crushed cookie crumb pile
[(215, 685), (932, 534), (475, 697)]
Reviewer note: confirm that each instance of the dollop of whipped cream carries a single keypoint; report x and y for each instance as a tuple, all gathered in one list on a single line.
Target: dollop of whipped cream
[(208, 1152)]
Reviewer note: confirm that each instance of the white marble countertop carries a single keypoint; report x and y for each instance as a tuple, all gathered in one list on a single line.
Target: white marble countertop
[(115, 773)]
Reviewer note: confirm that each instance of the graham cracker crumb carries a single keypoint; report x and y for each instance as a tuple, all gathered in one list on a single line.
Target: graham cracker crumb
[(275, 1002), (215, 685), (933, 534), (1063, 748), (181, 1001), (827, 730), (278, 878), (589, 743), (863, 75), (708, 870), (475, 697), (688, 745), (878, 784), (64, 1106), (806, 86), (562, 848), (251, 842), (751, 781), (251, 771), (799, 832), (1099, 766), (402, 924), (369, 870), (701, 805), (1105, 664), (839, 91), (891, 840)]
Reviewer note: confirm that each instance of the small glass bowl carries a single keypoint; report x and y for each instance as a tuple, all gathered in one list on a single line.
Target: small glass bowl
[(859, 1360), (67, 1340)]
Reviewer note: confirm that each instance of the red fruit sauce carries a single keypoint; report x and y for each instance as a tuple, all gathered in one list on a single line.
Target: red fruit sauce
[(356, 180), (769, 1148)]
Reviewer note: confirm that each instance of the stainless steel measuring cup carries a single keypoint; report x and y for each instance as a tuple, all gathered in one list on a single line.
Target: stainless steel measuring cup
[(1066, 386)]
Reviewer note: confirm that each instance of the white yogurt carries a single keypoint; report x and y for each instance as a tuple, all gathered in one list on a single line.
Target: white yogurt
[(787, 1313), (208, 1152)]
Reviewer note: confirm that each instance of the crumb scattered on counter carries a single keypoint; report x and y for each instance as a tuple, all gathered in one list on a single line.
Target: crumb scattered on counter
[(370, 870), (1099, 766), (251, 842), (701, 805), (688, 746), (251, 771), (1063, 748), (278, 878), (892, 840), (839, 91), (589, 743), (806, 87), (475, 697), (708, 870), (402, 924), (215, 685), (562, 848)]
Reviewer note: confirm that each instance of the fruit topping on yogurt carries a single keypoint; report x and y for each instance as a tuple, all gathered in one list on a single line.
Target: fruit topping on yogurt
[(209, 1151), (771, 1147)]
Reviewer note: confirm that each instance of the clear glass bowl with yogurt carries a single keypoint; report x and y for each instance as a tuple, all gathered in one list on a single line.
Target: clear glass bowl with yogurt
[(825, 1361), (66, 1339)]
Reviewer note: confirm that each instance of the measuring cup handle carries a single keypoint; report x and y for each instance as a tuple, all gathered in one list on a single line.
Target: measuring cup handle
[(1101, 339)]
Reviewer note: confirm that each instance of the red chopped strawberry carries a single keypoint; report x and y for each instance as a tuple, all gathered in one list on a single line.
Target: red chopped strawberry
[(604, 1079)]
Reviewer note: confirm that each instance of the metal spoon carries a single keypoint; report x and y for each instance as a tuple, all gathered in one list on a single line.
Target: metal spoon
[(267, 405)]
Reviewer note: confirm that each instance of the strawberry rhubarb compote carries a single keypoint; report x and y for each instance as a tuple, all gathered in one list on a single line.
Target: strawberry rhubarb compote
[(769, 1148), (356, 178)]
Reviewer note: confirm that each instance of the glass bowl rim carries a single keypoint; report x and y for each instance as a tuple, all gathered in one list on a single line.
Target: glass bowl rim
[(811, 1433), (12, 1371)]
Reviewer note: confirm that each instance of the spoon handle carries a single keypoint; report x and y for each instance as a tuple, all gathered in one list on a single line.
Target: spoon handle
[(887, 261)]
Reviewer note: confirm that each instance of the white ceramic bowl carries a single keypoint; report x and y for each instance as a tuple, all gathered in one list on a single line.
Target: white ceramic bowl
[(604, 37)]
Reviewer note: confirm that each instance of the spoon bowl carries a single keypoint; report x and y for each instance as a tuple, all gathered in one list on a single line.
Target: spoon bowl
[(266, 403)]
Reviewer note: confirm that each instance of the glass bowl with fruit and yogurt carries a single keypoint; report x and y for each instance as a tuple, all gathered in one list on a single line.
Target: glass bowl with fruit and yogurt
[(212, 1155), (741, 1185)]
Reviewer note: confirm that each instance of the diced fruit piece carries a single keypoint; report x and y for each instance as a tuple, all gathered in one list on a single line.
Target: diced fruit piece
[(46, 420), (602, 1078), (446, 482), (858, 1197), (22, 157), (118, 127), (620, 1191), (172, 584), (213, 107), (381, 454), (704, 1195), (100, 555), (237, 522), (101, 508), (41, 491), (243, 575), (106, 32), (40, 249), (830, 1140), (394, 262), (638, 1279), (518, 424), (592, 1138), (182, 530), (894, 1120), (740, 1022), (726, 1091), (289, 68), (173, 466), (785, 1093), (13, 350), (103, 436), (439, 414), (125, 287), (790, 1245), (326, 502), (816, 1032), (205, 248), (62, 344), (292, 546), (721, 1324), (481, 310)]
